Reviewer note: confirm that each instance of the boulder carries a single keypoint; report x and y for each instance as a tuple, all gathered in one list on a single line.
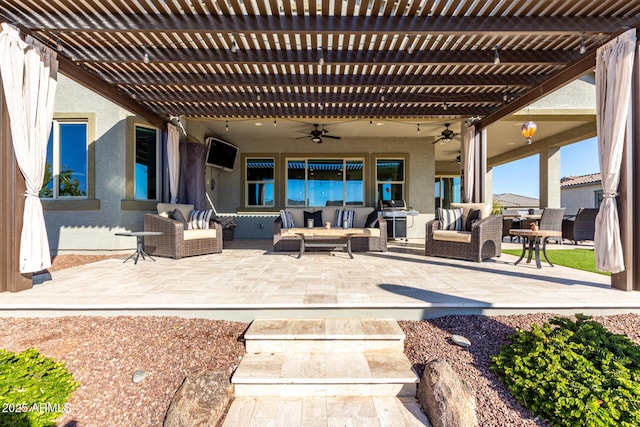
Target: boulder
[(446, 398), (201, 400)]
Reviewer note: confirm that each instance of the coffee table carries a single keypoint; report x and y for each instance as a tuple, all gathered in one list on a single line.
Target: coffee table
[(139, 235), (320, 237), (534, 237)]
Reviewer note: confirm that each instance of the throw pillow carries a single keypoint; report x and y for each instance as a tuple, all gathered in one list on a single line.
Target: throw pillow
[(315, 216), (372, 220), (177, 215), (199, 220), (350, 216), (473, 216), (287, 219), (450, 219)]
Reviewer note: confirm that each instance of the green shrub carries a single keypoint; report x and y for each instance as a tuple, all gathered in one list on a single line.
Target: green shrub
[(33, 389), (574, 374)]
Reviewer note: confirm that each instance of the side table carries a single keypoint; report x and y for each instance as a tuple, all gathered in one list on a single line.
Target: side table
[(139, 235), (534, 237)]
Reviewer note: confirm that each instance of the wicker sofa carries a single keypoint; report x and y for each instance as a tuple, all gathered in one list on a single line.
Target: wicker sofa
[(177, 242), (374, 238), (483, 241)]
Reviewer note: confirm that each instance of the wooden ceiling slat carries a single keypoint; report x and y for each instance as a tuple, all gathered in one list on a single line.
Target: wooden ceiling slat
[(375, 7), (351, 6), (402, 8)]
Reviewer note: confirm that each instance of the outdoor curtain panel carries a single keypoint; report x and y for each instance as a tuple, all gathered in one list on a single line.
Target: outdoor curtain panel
[(614, 70), (469, 146), (29, 77), (173, 159)]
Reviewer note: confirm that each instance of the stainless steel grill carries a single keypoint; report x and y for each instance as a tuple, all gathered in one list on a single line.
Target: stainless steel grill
[(396, 212)]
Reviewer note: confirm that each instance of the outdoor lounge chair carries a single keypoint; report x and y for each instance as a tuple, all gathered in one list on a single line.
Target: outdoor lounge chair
[(176, 241), (582, 227), (482, 241)]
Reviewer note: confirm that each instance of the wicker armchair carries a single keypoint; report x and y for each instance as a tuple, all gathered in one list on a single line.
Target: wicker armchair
[(582, 227), (482, 242), (172, 242)]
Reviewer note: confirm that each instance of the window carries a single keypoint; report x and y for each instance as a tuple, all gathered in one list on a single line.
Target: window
[(390, 179), (146, 163), (325, 182), (447, 191), (598, 197), (66, 171), (260, 182)]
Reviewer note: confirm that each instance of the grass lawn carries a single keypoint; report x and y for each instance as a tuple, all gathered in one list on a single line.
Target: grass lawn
[(582, 259)]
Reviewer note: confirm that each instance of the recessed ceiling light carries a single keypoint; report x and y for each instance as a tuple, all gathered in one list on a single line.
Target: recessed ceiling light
[(511, 143), (379, 123), (258, 123)]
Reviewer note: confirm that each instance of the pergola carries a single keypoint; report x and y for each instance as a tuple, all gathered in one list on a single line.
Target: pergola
[(403, 60)]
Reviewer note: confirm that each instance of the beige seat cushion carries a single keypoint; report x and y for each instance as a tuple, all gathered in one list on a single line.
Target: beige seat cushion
[(452, 236), (168, 207), (199, 234), (367, 232)]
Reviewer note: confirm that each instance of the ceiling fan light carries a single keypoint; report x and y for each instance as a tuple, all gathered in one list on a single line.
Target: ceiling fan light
[(316, 139)]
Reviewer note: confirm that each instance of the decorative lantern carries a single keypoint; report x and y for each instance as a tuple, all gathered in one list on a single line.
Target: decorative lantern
[(528, 129)]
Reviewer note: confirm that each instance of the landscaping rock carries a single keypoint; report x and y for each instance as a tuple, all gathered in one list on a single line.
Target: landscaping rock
[(446, 398), (201, 400)]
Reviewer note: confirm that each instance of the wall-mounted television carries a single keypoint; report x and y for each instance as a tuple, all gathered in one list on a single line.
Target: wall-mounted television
[(221, 154)]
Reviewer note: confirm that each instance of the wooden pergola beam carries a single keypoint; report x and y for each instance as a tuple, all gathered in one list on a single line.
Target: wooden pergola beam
[(109, 91), (309, 57), (423, 25), (317, 80), (326, 111)]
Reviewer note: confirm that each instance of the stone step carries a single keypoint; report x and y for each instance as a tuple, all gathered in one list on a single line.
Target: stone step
[(325, 411), (323, 335), (368, 373)]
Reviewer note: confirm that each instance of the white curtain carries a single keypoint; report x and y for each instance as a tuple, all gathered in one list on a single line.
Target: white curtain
[(614, 69), (29, 77), (468, 167), (173, 158)]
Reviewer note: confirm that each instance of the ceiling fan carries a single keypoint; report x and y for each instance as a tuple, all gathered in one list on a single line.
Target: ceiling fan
[(446, 135), (317, 134)]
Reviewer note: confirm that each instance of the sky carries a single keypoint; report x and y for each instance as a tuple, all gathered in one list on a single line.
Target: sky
[(521, 177)]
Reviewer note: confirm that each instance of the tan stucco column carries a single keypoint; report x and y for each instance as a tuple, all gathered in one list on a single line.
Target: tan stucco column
[(550, 177), (488, 185)]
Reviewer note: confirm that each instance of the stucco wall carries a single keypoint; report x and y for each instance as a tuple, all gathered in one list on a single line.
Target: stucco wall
[(94, 229), (227, 195), (582, 196)]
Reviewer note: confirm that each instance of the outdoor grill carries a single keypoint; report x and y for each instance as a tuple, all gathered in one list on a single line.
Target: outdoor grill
[(396, 212)]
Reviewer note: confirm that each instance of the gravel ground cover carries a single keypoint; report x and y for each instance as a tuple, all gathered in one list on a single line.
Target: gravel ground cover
[(429, 340), (104, 352)]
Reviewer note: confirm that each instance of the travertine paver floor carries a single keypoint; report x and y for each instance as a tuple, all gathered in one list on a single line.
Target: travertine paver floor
[(317, 411), (248, 275)]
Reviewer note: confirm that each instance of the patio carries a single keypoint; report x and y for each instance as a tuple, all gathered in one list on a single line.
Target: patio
[(248, 281)]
